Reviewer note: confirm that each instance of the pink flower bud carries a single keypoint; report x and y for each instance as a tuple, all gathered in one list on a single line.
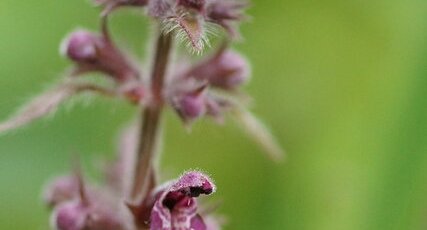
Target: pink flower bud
[(78, 215), (95, 52), (192, 105), (71, 215), (232, 70), (81, 46), (227, 69)]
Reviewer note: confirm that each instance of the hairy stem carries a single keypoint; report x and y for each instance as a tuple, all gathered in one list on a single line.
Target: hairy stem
[(143, 180)]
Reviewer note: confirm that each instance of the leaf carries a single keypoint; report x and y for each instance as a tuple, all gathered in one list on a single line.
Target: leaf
[(46, 104), (259, 133)]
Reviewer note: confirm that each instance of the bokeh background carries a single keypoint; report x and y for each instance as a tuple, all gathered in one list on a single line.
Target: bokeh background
[(342, 84)]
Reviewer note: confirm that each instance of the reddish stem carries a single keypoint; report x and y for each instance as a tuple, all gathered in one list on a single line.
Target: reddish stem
[(150, 128)]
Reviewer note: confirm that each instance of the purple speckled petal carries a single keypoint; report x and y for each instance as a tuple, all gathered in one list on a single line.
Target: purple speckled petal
[(160, 217), (176, 207), (194, 182)]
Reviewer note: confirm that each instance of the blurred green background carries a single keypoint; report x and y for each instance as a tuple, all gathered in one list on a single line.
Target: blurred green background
[(343, 85)]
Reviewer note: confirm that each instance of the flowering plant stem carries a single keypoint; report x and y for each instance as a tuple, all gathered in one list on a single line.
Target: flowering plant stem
[(130, 198), (144, 178)]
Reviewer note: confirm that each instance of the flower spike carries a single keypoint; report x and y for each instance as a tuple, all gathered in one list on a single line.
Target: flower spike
[(129, 197)]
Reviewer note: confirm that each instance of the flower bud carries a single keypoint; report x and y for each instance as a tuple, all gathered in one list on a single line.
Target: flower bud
[(81, 46), (95, 52), (227, 70), (61, 189), (192, 105), (232, 70), (78, 215), (71, 215)]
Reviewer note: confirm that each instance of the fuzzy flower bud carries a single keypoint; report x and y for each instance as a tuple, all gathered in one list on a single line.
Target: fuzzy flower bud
[(82, 46), (192, 105), (78, 215), (227, 69), (70, 216), (95, 52)]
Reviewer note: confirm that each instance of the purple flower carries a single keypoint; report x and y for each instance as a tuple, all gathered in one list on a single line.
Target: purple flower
[(176, 205)]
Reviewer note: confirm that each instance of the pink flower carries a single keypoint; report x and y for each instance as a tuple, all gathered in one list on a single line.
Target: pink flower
[(175, 207)]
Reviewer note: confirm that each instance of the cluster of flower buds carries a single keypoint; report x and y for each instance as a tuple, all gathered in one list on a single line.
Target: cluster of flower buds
[(93, 52), (194, 19), (77, 206), (170, 206), (212, 87), (195, 89)]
